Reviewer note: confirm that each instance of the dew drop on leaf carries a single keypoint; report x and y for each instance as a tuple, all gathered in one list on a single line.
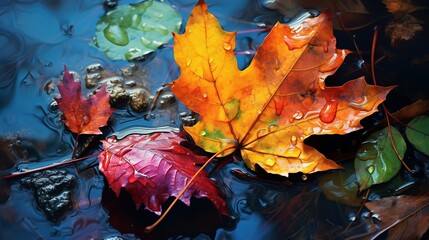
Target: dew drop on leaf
[(270, 162), (321, 83), (329, 110), (116, 35), (276, 65), (203, 133), (325, 46), (371, 169), (188, 61), (273, 128), (297, 115), (293, 140), (85, 120), (227, 46), (261, 133)]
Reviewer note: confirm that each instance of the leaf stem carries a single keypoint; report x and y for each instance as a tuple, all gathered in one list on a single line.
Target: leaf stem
[(60, 164), (150, 228), (75, 147), (387, 113)]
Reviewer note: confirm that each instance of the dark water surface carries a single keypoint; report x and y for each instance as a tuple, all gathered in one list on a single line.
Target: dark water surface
[(37, 38)]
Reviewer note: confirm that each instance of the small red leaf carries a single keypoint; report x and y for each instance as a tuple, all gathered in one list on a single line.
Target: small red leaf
[(154, 167), (82, 115)]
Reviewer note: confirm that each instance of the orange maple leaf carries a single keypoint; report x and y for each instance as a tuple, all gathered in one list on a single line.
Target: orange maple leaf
[(267, 110), (83, 115)]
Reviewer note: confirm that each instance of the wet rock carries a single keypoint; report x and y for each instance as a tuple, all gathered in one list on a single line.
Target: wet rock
[(139, 100), (93, 68), (52, 192), (127, 71), (110, 4), (188, 119), (92, 79), (166, 100), (119, 97)]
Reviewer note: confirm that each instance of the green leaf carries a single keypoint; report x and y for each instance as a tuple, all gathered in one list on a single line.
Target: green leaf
[(418, 133), (376, 161), (341, 185), (131, 31)]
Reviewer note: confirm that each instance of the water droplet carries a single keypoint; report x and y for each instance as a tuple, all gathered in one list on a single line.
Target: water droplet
[(261, 133), (304, 177), (116, 35), (85, 120), (259, 111), (321, 83), (189, 30), (227, 46), (293, 140), (291, 120), (203, 133), (276, 65), (317, 130), (370, 169), (270, 162), (297, 115), (273, 128), (325, 46), (205, 96), (361, 105), (211, 59), (329, 110)]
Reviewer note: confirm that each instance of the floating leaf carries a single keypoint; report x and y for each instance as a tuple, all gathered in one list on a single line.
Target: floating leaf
[(131, 31), (376, 160), (341, 185), (83, 116), (418, 133), (267, 110), (403, 217), (154, 167)]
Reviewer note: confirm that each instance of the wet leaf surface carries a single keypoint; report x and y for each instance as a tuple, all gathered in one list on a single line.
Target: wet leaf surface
[(131, 31), (154, 167), (83, 116), (418, 133), (341, 185), (376, 160), (267, 110), (402, 217)]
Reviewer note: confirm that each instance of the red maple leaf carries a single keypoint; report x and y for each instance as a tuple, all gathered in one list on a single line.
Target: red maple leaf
[(83, 115), (154, 167)]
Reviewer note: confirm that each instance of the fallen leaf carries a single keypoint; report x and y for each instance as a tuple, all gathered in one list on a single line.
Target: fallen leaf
[(83, 115), (341, 185), (418, 133), (267, 110), (376, 160), (154, 167), (132, 31), (403, 217)]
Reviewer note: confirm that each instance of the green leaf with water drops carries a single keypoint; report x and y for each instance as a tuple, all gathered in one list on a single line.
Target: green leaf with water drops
[(418, 133), (341, 185), (132, 31), (376, 160)]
